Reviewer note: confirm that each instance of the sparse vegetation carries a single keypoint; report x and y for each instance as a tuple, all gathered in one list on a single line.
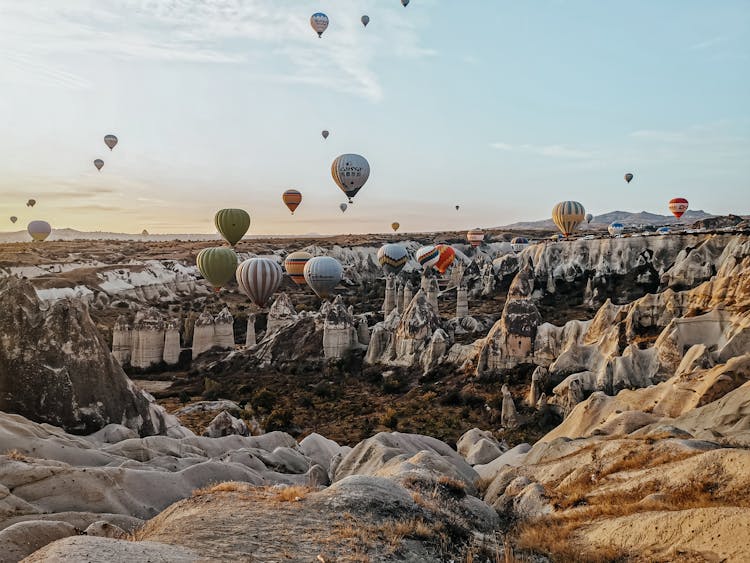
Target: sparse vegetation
[(16, 455)]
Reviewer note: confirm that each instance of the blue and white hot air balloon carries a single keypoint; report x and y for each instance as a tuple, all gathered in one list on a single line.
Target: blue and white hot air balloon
[(519, 243), (319, 22), (322, 274), (392, 258), (616, 229)]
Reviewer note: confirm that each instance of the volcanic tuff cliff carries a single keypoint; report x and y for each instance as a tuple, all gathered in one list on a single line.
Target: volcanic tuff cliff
[(56, 368)]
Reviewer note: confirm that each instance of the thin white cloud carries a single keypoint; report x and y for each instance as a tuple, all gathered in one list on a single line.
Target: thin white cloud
[(552, 151), (708, 43)]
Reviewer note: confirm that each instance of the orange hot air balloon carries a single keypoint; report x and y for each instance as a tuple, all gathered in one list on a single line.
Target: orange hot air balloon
[(678, 206), (446, 255), (292, 199), (295, 266)]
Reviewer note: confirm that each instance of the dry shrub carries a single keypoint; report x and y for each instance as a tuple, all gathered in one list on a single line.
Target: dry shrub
[(452, 486), (294, 493), (224, 487), (554, 537), (16, 455)]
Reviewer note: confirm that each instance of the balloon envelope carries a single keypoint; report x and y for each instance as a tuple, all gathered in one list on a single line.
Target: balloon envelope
[(365, 20), (616, 228), (446, 255), (663, 230), (259, 278), (350, 172), (427, 256), (404, 3), (325, 133), (567, 215), (295, 266), (292, 199), (475, 237), (217, 265), (392, 258), (519, 243), (31, 203), (457, 207), (110, 141), (322, 274), (589, 217), (319, 22), (13, 219), (395, 225), (39, 230), (678, 206), (232, 224), (343, 207), (98, 163), (628, 177)]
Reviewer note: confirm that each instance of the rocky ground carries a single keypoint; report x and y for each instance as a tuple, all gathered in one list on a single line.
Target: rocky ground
[(610, 378)]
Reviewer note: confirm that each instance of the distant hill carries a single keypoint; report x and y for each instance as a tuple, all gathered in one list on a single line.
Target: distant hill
[(73, 234), (641, 219)]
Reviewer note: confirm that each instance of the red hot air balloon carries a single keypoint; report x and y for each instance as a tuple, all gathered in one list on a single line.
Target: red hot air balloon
[(678, 206), (292, 199), (445, 257)]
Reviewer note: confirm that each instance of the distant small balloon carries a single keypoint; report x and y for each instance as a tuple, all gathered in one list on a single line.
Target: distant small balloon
[(616, 228), (110, 141), (39, 230), (457, 207), (292, 199), (475, 237), (628, 177), (325, 133), (589, 218), (343, 207), (404, 3), (31, 203), (365, 20), (144, 233), (678, 206), (519, 243), (395, 225), (319, 22), (13, 219), (99, 163)]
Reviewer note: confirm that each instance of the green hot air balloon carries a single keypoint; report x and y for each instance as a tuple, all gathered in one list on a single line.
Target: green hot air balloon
[(217, 265), (232, 224)]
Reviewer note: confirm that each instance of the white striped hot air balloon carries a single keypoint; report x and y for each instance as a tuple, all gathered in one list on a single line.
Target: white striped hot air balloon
[(567, 215), (475, 237), (392, 258), (427, 256), (259, 278), (322, 274)]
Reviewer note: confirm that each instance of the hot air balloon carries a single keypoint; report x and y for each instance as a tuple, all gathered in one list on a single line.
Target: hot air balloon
[(589, 218), (99, 163), (144, 233), (292, 199), (567, 215), (475, 237), (427, 256), (31, 203), (392, 258), (322, 274), (395, 225), (365, 20), (39, 230), (678, 206), (232, 224), (259, 278), (295, 266), (628, 177), (663, 230), (319, 22), (616, 228), (110, 141), (13, 219), (217, 265), (343, 207), (325, 133), (519, 243), (350, 172), (404, 3), (556, 237), (457, 207), (446, 255)]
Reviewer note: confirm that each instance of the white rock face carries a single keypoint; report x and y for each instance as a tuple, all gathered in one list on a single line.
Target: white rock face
[(462, 302), (224, 330), (148, 339), (433, 290), (172, 343), (389, 303), (122, 341), (203, 334), (339, 330), (281, 313), (250, 340), (407, 297)]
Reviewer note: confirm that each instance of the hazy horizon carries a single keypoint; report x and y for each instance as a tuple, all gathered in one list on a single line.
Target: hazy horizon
[(501, 108)]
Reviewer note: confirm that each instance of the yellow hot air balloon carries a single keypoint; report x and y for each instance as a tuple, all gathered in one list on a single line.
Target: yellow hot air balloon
[(295, 266), (217, 265), (567, 215), (292, 199), (232, 224), (395, 225)]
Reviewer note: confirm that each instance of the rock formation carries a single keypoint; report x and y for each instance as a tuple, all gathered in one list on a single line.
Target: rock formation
[(148, 339), (55, 368), (389, 303), (408, 296), (250, 341), (462, 302), (281, 313), (339, 330), (433, 290), (213, 332)]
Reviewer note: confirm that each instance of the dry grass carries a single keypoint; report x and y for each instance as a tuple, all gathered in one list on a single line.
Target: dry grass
[(224, 487), (294, 493), (452, 486), (16, 455)]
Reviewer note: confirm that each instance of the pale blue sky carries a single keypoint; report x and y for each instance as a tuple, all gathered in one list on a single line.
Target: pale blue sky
[(503, 107)]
